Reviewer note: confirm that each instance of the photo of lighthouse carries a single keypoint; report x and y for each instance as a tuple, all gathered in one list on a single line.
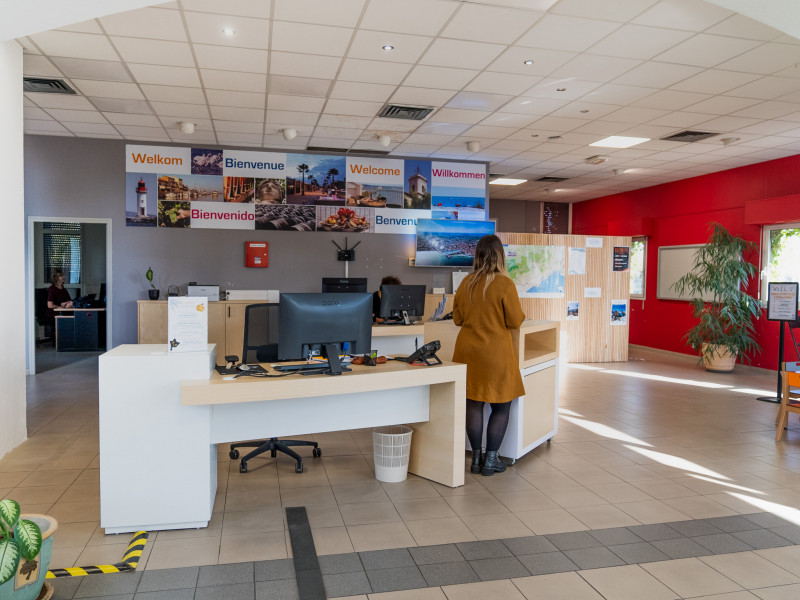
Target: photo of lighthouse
[(141, 197)]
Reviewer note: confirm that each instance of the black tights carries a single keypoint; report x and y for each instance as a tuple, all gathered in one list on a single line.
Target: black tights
[(495, 430)]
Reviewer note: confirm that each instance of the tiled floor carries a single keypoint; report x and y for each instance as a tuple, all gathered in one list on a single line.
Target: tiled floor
[(655, 440)]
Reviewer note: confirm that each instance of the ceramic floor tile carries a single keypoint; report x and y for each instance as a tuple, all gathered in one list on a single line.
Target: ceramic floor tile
[(365, 492), (619, 492), (170, 554), (251, 547), (361, 513), (651, 511), (477, 504), (750, 570), (525, 501), (627, 583), (102, 555), (691, 577), (787, 558), (699, 507), (557, 586), (492, 527), (574, 496), (252, 521), (556, 520), (504, 589), (380, 536), (440, 531), (420, 594), (783, 592), (416, 509), (331, 540), (601, 517)]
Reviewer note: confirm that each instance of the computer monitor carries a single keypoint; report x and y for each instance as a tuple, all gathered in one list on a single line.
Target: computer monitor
[(398, 298), (101, 295), (324, 322), (343, 285)]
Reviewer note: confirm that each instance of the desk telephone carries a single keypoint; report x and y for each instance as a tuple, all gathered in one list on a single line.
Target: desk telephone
[(425, 354)]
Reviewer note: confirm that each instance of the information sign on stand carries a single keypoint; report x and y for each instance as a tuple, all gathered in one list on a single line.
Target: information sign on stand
[(187, 323), (782, 307)]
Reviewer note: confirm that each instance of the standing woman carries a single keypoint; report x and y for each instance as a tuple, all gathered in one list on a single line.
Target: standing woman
[(487, 307)]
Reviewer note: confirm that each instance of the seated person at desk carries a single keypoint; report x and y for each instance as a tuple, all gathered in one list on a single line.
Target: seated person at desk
[(376, 297), (57, 295)]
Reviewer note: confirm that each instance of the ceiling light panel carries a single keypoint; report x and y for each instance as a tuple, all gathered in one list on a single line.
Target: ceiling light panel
[(617, 141), (151, 23), (206, 29), (486, 23), (507, 181)]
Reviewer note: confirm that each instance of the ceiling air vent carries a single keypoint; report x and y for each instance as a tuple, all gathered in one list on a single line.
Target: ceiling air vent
[(412, 113), (48, 86), (689, 136), (552, 179)]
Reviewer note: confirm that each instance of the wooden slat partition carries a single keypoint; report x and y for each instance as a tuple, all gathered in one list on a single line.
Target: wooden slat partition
[(591, 338)]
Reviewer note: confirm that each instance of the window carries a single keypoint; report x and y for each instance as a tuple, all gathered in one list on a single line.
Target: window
[(62, 250), (638, 262), (780, 255)]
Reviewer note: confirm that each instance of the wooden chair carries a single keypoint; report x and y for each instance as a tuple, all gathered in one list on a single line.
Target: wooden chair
[(790, 400)]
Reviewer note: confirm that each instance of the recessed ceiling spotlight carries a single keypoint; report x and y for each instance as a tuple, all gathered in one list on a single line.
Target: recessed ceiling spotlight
[(534, 135), (619, 141), (507, 181), (561, 89), (527, 62), (597, 159), (555, 138), (229, 31), (388, 47), (729, 140)]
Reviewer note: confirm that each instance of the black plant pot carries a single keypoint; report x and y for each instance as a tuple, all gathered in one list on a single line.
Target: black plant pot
[(153, 294)]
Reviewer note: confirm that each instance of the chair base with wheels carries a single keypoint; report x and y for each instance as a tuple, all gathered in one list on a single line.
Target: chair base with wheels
[(273, 446)]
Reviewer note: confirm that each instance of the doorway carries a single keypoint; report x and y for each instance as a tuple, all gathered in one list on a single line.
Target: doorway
[(80, 249)]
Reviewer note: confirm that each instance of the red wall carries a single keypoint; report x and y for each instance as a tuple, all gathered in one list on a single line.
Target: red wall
[(679, 213)]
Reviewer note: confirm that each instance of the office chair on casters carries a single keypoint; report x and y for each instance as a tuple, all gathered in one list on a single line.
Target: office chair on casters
[(260, 333)]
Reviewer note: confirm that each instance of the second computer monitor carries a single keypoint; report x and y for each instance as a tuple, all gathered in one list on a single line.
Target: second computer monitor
[(398, 298), (309, 322), (344, 285)]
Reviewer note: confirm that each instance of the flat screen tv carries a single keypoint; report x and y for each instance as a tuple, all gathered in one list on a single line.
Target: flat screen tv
[(449, 243)]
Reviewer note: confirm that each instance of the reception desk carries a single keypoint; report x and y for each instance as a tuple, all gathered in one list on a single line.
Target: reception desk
[(161, 416), (80, 329)]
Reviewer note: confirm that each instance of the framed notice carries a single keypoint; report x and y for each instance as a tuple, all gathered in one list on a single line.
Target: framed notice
[(622, 256), (187, 323), (782, 301)]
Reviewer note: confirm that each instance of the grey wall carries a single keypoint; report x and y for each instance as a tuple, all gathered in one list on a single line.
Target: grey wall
[(516, 216), (70, 177)]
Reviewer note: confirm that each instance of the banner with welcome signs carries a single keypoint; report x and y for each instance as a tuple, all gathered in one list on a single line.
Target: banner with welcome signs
[(202, 188)]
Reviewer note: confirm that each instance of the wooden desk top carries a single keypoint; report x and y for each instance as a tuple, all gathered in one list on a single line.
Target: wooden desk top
[(79, 309), (391, 375)]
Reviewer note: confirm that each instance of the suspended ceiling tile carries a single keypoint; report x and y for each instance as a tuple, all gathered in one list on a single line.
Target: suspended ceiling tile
[(373, 71), (590, 67), (459, 54), (241, 8), (34, 112), (368, 45), (657, 75), (108, 89), (295, 103), (714, 81), (768, 110), (240, 139), (508, 120), (316, 39), (133, 132), (75, 45), (638, 42), (561, 89), (91, 26), (291, 117), (328, 120), (671, 100), (439, 77), (230, 80), (276, 141), (35, 65), (247, 60), (153, 23), (704, 50), (425, 17), (619, 10), (76, 116), (230, 113), (574, 34), (46, 127), (179, 109), (129, 119), (352, 107), (140, 107), (478, 102), (512, 60), (721, 105), (79, 68), (340, 13), (165, 93), (744, 27), (59, 101), (683, 14), (159, 75), (613, 93), (581, 109), (88, 129), (241, 127), (351, 90), (205, 28), (533, 106), (765, 59), (309, 65), (493, 24), (154, 52), (299, 86), (488, 83), (236, 99), (421, 96), (456, 115), (785, 128), (726, 123), (680, 119), (768, 88)]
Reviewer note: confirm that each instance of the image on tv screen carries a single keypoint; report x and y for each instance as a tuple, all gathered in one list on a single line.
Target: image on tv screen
[(449, 243)]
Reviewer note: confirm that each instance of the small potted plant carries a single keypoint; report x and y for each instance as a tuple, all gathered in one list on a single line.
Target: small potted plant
[(725, 311), (26, 545), (153, 292)]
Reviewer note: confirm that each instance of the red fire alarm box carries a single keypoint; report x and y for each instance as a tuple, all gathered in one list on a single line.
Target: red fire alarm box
[(256, 254)]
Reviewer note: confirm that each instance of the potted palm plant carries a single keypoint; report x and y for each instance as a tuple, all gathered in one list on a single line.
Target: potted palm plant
[(26, 545), (725, 311)]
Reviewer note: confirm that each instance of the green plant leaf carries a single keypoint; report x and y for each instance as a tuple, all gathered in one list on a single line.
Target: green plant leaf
[(9, 512), (9, 559), (29, 538)]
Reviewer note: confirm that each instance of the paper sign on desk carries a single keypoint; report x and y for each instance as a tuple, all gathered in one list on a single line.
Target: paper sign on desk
[(187, 323)]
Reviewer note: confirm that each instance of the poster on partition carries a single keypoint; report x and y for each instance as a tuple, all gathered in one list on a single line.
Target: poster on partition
[(619, 312), (537, 271), (199, 188)]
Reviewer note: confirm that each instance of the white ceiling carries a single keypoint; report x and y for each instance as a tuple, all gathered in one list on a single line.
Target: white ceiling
[(643, 68)]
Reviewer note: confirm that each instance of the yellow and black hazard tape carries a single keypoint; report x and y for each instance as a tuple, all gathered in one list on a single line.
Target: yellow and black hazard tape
[(130, 560)]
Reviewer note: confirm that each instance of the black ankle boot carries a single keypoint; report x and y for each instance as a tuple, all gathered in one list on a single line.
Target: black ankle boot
[(493, 464), (478, 459)]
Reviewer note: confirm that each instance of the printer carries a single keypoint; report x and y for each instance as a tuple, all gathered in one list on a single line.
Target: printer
[(208, 291)]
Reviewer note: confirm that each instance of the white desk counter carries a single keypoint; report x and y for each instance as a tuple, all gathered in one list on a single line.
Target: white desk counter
[(162, 415)]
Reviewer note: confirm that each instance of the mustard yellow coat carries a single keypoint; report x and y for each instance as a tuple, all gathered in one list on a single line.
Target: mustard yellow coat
[(484, 342)]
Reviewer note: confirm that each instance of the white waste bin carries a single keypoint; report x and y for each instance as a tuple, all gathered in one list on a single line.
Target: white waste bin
[(392, 446)]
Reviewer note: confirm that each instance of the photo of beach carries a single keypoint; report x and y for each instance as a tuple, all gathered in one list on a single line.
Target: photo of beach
[(315, 180)]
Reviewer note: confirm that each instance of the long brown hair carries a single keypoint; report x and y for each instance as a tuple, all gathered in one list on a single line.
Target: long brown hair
[(490, 260)]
